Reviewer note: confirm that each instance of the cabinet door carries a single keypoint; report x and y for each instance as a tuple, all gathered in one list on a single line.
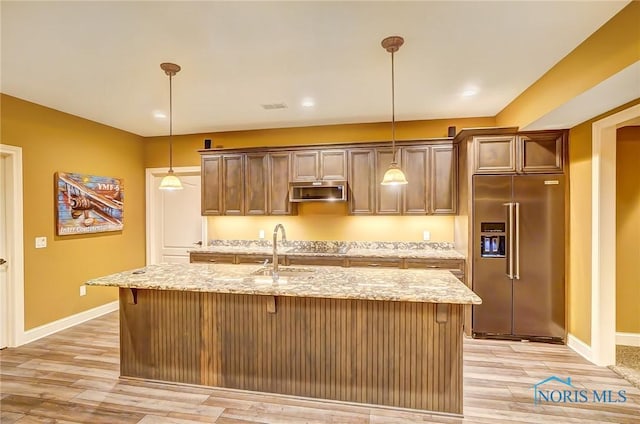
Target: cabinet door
[(278, 187), (232, 184), (387, 197), (305, 165), (541, 153), (333, 165), (362, 181), (416, 168), (443, 179), (495, 154), (219, 258), (211, 203), (257, 178)]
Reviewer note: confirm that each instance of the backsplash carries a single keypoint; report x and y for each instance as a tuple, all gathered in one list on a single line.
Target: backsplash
[(336, 246)]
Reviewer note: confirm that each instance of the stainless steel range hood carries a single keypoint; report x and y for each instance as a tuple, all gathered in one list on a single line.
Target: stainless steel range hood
[(318, 191)]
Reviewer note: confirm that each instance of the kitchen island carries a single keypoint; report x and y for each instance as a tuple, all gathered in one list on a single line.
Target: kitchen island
[(379, 336)]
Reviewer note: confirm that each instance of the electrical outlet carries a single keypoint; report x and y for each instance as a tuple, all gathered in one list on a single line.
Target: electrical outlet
[(83, 290), (426, 235), (261, 234), (41, 242)]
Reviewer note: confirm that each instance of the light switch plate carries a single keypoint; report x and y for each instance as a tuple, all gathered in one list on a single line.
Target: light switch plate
[(83, 290), (41, 242), (426, 235), (261, 234)]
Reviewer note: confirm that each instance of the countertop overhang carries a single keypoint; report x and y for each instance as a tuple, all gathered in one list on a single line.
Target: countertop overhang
[(403, 285)]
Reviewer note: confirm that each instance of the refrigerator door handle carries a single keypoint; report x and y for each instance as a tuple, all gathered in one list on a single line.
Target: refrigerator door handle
[(509, 250), (517, 240)]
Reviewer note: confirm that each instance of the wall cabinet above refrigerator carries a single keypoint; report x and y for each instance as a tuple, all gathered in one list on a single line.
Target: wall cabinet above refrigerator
[(522, 153)]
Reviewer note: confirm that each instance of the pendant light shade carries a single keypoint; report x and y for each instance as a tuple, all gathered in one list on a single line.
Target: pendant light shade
[(394, 175), (170, 181)]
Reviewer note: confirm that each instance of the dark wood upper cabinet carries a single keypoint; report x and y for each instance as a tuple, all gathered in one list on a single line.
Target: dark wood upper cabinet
[(541, 152), (256, 181), (528, 153), (415, 164), (333, 165), (278, 184), (362, 182), (305, 165), (314, 165), (211, 203), (495, 154), (389, 197), (232, 184), (256, 178), (443, 180)]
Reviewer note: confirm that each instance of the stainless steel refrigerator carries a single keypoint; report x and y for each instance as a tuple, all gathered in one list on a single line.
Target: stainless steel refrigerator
[(519, 257)]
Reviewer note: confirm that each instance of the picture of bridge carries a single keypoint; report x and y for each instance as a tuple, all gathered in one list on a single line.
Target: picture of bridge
[(88, 203)]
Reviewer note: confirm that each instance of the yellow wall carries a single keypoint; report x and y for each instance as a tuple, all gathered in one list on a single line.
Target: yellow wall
[(615, 46), (627, 230), (579, 273), (186, 146), (53, 141), (324, 221)]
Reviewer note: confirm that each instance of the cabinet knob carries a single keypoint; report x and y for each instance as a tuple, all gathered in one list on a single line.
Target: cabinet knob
[(212, 260)]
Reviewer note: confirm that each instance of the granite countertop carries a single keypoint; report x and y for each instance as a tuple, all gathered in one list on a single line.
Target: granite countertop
[(407, 285), (402, 250)]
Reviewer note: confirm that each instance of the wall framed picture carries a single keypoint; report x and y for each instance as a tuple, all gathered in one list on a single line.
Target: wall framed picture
[(88, 203)]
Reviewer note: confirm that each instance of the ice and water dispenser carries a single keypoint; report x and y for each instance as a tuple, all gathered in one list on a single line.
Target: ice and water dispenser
[(492, 239)]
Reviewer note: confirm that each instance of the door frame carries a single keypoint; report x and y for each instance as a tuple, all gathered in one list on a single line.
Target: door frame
[(152, 215), (603, 229), (15, 246)]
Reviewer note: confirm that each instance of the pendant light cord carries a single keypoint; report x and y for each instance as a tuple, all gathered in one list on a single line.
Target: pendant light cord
[(170, 125), (393, 112)]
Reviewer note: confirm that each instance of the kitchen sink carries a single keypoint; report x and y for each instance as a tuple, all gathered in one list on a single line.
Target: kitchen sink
[(285, 271)]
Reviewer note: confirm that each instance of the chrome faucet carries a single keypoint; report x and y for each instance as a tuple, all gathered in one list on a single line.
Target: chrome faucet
[(275, 248)]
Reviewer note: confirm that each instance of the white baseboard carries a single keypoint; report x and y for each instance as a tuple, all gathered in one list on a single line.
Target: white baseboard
[(628, 339), (580, 347), (64, 323)]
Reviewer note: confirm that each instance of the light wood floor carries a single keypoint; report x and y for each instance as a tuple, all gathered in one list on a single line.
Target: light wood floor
[(72, 377)]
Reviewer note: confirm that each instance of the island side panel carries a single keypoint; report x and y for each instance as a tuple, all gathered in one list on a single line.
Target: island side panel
[(389, 353), (160, 335), (378, 352)]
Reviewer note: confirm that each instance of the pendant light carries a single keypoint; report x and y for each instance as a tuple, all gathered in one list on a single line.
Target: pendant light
[(394, 175), (170, 181)]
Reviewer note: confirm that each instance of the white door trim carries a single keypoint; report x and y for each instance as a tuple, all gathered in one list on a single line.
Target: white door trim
[(603, 229), (151, 214), (15, 247)]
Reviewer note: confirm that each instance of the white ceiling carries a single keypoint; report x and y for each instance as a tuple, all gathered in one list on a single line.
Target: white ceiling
[(100, 60)]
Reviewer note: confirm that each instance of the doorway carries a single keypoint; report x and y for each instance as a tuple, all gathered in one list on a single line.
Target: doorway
[(603, 248), (174, 221), (11, 247)]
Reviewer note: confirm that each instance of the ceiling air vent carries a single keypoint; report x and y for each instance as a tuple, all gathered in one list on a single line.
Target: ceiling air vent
[(272, 106)]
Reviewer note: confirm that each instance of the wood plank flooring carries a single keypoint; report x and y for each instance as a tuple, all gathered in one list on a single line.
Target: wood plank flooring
[(73, 377)]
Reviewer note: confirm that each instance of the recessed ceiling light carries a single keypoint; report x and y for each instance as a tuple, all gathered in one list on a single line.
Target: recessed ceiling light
[(308, 102), (469, 92), (159, 115)]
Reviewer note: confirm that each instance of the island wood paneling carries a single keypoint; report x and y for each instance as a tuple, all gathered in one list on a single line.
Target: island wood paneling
[(377, 352)]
